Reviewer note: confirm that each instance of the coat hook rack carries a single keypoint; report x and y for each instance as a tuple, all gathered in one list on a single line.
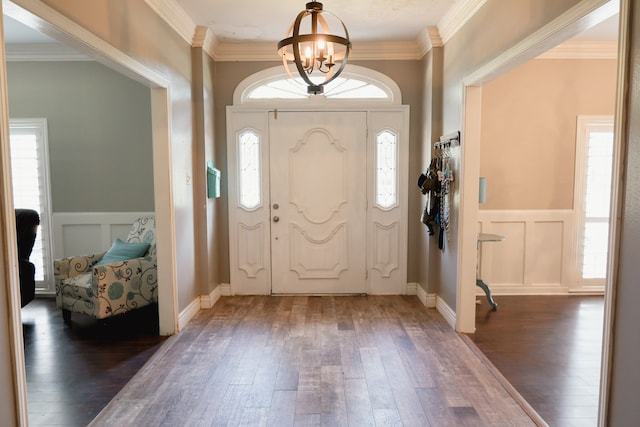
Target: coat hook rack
[(446, 141), (444, 145)]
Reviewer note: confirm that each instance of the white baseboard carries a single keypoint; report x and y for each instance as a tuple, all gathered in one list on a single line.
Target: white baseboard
[(432, 299), (525, 290), (429, 300), (225, 289), (207, 301), (422, 295), (203, 302), (411, 288), (187, 314), (446, 312)]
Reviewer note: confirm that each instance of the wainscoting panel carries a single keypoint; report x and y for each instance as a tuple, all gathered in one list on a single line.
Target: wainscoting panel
[(535, 258), (83, 233)]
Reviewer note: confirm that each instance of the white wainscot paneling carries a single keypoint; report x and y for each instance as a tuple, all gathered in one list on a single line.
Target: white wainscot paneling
[(536, 256), (83, 233)]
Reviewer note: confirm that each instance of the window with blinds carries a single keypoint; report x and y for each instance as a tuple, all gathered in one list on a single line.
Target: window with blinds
[(594, 162), (30, 177)]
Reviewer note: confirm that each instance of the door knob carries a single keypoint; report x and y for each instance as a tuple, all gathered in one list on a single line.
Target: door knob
[(276, 218)]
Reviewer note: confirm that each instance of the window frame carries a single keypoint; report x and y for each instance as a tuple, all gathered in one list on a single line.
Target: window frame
[(45, 231), (584, 126), (386, 84)]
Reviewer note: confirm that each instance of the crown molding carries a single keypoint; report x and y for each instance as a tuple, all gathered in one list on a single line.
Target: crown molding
[(199, 36), (428, 39), (386, 51), (583, 49), (174, 15), (43, 52), (361, 51), (457, 16)]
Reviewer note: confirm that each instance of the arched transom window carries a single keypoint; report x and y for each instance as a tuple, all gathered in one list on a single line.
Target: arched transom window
[(358, 83)]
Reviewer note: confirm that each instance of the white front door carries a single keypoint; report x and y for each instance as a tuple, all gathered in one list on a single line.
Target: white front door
[(318, 201), (318, 164)]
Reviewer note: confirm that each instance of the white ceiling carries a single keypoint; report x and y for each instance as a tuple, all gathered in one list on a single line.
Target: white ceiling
[(367, 20)]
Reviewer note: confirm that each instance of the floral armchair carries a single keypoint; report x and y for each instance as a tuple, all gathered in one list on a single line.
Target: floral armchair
[(109, 288)]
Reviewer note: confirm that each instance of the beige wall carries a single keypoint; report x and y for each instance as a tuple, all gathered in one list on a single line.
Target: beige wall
[(498, 25), (427, 246), (529, 116)]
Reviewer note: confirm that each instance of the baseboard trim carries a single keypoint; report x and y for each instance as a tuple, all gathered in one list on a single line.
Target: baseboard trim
[(411, 288), (446, 312), (188, 313), (225, 289), (208, 301), (525, 290), (432, 299), (422, 295), (429, 300)]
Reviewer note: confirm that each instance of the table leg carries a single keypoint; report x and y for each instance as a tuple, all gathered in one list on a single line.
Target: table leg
[(487, 292)]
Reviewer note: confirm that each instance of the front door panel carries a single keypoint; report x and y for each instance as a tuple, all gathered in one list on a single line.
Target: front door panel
[(318, 202)]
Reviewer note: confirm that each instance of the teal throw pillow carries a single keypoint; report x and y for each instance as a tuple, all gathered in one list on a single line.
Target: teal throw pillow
[(121, 251)]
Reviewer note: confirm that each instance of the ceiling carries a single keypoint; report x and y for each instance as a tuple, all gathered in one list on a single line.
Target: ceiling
[(241, 21), (366, 20)]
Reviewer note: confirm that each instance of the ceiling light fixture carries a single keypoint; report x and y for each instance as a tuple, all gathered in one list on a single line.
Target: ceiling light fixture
[(317, 50)]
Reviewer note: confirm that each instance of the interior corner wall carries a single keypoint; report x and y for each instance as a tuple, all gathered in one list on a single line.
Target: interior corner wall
[(496, 26), (200, 213), (213, 206), (99, 133), (528, 125), (431, 131)]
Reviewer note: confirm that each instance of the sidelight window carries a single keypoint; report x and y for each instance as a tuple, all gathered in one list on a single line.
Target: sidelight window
[(249, 169), (386, 169)]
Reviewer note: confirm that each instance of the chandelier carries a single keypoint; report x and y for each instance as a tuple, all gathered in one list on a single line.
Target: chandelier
[(317, 52)]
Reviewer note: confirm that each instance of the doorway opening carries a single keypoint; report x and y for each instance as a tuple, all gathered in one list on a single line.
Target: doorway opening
[(474, 94)]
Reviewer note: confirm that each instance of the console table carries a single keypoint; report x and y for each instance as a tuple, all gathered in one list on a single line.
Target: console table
[(482, 238)]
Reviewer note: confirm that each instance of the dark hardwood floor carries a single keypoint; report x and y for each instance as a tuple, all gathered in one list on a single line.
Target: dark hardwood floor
[(307, 360), (549, 349), (73, 372)]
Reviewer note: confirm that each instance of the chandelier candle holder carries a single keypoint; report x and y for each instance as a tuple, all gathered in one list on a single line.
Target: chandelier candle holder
[(315, 52)]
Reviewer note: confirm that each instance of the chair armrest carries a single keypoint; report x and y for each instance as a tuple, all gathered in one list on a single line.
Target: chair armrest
[(65, 268), (124, 285)]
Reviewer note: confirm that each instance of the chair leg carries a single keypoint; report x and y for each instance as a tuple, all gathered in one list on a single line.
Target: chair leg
[(66, 316)]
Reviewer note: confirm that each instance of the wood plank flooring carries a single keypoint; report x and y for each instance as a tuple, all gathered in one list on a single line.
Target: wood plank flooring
[(298, 361), (73, 372), (549, 349)]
